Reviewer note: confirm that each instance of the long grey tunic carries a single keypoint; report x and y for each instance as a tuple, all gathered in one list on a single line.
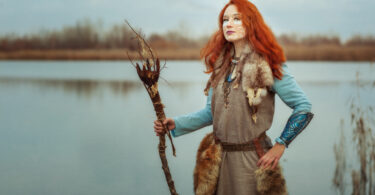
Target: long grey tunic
[(234, 124)]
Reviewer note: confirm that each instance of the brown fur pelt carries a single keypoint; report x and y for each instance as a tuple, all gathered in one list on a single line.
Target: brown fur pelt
[(206, 172), (207, 168), (270, 182), (257, 77)]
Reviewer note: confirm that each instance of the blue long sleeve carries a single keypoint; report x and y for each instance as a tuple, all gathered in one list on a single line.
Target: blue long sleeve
[(293, 96), (291, 93), (193, 121)]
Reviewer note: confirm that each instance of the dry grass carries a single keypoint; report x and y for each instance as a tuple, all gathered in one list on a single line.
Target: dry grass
[(330, 53), (308, 53), (92, 54)]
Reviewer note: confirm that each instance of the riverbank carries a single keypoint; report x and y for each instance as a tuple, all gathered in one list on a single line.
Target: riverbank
[(308, 53), (96, 54)]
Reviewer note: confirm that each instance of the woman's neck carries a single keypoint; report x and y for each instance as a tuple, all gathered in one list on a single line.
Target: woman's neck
[(239, 47)]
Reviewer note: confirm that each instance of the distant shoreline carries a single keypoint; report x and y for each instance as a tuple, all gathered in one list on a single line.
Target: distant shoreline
[(293, 53)]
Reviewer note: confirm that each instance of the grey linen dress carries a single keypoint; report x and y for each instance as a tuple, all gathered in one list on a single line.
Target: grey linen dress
[(234, 124)]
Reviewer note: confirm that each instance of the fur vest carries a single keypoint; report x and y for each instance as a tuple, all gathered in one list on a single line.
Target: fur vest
[(255, 76), (252, 72)]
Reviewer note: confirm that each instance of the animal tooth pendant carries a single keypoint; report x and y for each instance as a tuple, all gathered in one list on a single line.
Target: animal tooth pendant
[(234, 73)]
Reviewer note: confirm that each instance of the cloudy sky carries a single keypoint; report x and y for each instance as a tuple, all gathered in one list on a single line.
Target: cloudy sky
[(196, 17)]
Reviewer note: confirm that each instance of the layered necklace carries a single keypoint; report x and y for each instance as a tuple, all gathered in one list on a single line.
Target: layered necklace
[(228, 80)]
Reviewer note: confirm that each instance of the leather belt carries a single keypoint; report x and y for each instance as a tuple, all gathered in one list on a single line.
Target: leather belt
[(258, 144)]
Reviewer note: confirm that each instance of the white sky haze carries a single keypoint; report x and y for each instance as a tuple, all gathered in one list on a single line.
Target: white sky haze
[(333, 17)]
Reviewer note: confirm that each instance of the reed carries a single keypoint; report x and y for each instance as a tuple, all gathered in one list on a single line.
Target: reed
[(362, 124)]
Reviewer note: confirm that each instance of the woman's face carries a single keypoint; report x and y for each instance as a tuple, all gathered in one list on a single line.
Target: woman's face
[(232, 25)]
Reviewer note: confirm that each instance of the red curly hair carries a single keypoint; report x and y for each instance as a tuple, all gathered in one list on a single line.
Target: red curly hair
[(258, 34)]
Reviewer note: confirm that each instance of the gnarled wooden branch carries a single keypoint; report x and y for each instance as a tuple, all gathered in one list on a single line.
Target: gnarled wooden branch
[(149, 75)]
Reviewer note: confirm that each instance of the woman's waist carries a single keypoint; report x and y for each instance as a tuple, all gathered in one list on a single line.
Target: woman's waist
[(262, 141)]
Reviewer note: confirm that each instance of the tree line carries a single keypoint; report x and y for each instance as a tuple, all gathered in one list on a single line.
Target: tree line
[(87, 35)]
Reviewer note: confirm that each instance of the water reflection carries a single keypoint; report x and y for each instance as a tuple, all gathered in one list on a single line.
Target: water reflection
[(89, 88)]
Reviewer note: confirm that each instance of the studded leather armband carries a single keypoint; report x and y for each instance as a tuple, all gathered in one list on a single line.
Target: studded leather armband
[(296, 123)]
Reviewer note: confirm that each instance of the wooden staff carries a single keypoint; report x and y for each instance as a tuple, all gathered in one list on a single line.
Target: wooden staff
[(149, 75)]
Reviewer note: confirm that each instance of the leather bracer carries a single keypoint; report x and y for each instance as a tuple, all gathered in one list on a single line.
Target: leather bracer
[(296, 123)]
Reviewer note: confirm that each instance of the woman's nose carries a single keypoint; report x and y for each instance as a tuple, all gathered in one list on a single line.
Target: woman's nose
[(230, 22)]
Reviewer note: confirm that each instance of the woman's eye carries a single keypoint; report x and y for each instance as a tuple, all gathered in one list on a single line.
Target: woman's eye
[(225, 20), (237, 19)]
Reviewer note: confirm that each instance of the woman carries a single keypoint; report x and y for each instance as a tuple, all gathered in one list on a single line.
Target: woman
[(246, 66)]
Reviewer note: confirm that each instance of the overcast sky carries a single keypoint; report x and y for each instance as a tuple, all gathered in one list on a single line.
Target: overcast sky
[(337, 17)]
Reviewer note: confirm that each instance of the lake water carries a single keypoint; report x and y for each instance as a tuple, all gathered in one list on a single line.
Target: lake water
[(86, 127)]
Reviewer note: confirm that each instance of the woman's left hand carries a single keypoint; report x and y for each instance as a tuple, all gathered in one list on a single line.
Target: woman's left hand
[(272, 157)]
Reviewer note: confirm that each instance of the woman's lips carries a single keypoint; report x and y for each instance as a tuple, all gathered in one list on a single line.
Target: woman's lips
[(229, 32)]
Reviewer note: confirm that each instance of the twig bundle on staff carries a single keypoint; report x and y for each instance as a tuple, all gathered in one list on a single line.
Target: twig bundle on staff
[(149, 75)]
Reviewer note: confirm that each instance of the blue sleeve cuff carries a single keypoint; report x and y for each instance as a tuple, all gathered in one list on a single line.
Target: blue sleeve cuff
[(280, 141)]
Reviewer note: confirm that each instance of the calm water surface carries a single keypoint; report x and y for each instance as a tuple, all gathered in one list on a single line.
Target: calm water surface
[(87, 127)]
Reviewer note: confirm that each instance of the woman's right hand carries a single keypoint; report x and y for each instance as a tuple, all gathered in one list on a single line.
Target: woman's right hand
[(158, 127)]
